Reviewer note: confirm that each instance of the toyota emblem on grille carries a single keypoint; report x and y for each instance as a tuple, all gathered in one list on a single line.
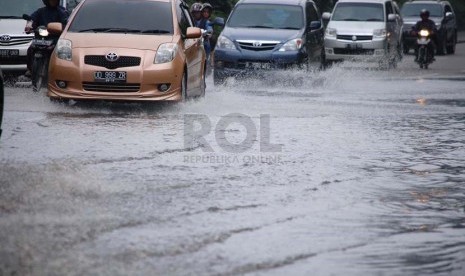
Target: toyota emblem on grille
[(5, 38), (112, 56), (257, 44)]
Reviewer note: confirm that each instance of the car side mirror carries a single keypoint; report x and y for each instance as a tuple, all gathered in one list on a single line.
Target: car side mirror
[(55, 28), (392, 17), (219, 21), (193, 32), (315, 25), (326, 16), (449, 15)]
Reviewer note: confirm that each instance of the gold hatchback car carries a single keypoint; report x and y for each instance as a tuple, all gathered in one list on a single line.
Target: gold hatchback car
[(130, 50)]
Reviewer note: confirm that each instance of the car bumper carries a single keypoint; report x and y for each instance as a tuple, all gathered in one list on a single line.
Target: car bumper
[(142, 81), (369, 50), (229, 63), (14, 63)]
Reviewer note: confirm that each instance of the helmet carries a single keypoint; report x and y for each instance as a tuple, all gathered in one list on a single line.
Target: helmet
[(207, 6), (424, 12), (45, 2), (196, 7)]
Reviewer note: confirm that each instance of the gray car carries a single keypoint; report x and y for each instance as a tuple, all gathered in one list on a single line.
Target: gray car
[(367, 30)]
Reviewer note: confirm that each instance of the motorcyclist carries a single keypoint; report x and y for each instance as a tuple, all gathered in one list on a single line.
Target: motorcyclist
[(196, 11), (205, 24), (52, 12), (428, 24)]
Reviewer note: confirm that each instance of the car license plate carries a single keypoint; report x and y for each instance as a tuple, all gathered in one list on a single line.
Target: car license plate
[(258, 65), (110, 76), (9, 53), (354, 46), (41, 42)]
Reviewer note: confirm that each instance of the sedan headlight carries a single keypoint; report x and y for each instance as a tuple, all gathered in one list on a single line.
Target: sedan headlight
[(292, 45), (64, 49), (331, 32), (225, 43), (380, 33), (166, 53)]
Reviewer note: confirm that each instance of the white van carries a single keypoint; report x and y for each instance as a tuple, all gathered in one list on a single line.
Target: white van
[(368, 30), (13, 41)]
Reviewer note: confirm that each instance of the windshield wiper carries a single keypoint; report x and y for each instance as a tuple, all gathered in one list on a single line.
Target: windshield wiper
[(10, 17), (260, 27), (374, 20), (155, 32), (350, 19), (110, 30), (290, 28)]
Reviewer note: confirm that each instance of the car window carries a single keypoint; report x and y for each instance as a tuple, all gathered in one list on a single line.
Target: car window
[(267, 16), (16, 8), (312, 13), (359, 12), (413, 10), (135, 16)]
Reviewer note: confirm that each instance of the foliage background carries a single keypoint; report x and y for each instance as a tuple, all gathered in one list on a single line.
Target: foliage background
[(223, 7)]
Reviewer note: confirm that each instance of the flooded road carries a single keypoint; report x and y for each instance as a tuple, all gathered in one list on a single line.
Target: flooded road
[(355, 172)]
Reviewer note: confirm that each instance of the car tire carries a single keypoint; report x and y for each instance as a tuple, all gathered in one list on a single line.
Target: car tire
[(451, 47), (59, 100), (405, 49), (203, 85), (218, 80), (184, 88)]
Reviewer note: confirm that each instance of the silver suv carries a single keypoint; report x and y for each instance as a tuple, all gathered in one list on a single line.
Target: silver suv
[(13, 41), (368, 30)]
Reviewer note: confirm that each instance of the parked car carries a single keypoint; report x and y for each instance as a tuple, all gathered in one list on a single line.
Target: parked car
[(442, 13), (14, 42), (2, 98), (368, 30), (266, 35), (155, 56)]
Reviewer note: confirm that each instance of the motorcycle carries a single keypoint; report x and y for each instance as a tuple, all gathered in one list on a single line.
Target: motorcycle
[(424, 57), (42, 47)]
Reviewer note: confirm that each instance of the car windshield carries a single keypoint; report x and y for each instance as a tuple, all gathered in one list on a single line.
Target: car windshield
[(16, 8), (359, 12), (267, 16), (121, 16), (413, 10)]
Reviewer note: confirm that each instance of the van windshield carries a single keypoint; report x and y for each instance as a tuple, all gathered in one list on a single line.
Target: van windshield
[(359, 12), (122, 16), (16, 8), (413, 10), (268, 16)]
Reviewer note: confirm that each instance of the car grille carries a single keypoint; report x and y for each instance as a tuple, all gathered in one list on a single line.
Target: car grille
[(264, 46), (19, 40), (343, 51), (111, 87), (101, 61), (358, 37)]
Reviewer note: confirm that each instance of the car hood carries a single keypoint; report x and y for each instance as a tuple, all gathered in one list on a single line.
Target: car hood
[(12, 26), (356, 28), (260, 34), (414, 20), (102, 40)]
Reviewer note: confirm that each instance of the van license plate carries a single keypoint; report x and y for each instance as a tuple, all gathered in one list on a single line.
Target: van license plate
[(355, 46), (258, 65), (9, 53), (110, 76)]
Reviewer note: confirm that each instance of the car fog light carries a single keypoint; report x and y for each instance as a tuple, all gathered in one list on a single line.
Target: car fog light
[(164, 87), (329, 51), (61, 84)]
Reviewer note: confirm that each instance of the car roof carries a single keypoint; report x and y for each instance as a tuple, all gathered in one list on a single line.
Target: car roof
[(281, 2), (365, 1)]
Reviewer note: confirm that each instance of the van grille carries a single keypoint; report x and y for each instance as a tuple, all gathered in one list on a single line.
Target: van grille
[(111, 87), (101, 61), (18, 40), (358, 37)]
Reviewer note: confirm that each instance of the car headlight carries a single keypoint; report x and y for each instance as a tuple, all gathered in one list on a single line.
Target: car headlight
[(292, 45), (331, 32), (64, 49), (225, 43), (166, 53), (380, 33)]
